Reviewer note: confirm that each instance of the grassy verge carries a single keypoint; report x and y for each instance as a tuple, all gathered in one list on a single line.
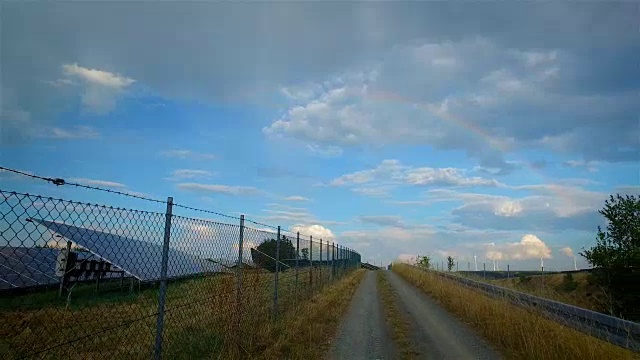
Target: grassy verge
[(583, 294), (517, 332), (307, 333), (205, 318), (398, 323)]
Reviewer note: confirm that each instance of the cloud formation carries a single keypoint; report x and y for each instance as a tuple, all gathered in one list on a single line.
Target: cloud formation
[(220, 189)]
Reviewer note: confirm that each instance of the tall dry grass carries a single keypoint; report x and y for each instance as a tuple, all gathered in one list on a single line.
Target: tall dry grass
[(203, 319), (519, 333)]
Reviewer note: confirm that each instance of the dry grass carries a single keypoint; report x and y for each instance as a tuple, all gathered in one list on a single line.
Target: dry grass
[(203, 319), (398, 323), (308, 333), (586, 296), (517, 332)]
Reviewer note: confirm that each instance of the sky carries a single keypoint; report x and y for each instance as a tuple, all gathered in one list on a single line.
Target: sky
[(464, 129)]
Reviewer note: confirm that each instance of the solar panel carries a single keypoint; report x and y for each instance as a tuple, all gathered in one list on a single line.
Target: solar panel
[(141, 259), (22, 267)]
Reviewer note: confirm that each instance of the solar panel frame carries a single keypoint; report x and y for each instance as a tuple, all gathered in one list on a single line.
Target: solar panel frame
[(180, 264)]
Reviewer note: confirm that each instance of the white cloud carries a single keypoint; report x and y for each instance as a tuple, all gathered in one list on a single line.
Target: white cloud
[(325, 151), (372, 191), (529, 247), (315, 230), (220, 189), (98, 183), (296, 198), (393, 172), (494, 255), (567, 251), (187, 154), (383, 220), (101, 89), (445, 176), (407, 98), (97, 77), (79, 132), (181, 174), (591, 166)]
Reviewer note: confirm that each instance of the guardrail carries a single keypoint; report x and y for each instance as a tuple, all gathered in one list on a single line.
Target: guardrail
[(368, 266), (614, 330)]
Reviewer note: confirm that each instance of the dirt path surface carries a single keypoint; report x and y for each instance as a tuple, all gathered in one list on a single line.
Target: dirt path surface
[(437, 334), (363, 333)]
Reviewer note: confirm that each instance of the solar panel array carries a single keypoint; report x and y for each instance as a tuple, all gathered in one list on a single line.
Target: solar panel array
[(23, 267), (142, 259)]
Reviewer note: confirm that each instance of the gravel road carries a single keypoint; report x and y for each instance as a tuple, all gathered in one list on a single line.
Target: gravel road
[(436, 333), (363, 333)]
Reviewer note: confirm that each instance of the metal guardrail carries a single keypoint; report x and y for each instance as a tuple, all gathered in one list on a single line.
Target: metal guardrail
[(614, 330), (368, 266)]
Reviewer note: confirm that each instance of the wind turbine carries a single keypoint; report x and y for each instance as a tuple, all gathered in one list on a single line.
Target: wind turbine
[(475, 261)]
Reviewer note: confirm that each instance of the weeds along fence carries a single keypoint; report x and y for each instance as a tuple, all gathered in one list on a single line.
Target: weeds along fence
[(92, 281)]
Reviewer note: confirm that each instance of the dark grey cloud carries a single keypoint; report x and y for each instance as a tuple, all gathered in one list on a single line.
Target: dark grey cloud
[(244, 52)]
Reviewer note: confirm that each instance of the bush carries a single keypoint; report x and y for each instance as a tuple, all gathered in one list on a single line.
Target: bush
[(568, 283), (524, 279)]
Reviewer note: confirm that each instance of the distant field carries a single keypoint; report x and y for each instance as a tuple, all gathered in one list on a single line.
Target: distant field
[(203, 318)]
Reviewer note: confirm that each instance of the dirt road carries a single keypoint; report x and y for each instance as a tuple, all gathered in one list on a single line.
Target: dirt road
[(363, 333), (436, 333)]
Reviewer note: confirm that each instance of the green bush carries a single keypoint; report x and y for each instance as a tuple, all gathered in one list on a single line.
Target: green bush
[(568, 283)]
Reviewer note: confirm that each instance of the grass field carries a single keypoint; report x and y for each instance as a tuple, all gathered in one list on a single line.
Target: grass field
[(203, 318), (519, 333)]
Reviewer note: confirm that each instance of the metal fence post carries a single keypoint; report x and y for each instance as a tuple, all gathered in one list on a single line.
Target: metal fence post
[(239, 265), (163, 280), (320, 276), (275, 287), (310, 262), (297, 257), (333, 256), (328, 276)]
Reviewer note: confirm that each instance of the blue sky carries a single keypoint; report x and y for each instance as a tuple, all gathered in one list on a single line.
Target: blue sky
[(394, 129)]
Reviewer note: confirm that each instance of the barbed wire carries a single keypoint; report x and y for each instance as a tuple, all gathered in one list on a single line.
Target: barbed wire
[(60, 182), (206, 211)]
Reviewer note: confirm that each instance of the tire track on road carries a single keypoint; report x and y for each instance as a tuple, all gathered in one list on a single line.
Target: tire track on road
[(363, 333)]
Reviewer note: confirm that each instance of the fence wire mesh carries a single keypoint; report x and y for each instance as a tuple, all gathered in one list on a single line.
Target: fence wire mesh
[(89, 281)]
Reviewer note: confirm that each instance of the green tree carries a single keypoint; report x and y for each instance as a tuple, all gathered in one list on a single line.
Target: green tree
[(616, 255), (424, 262), (265, 254), (450, 263), (305, 254)]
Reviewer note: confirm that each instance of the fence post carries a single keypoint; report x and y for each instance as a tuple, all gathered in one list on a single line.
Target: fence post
[(320, 277), (65, 267), (484, 270), (508, 272), (239, 265), (310, 262), (297, 257), (275, 285), (333, 257), (163, 280), (328, 276)]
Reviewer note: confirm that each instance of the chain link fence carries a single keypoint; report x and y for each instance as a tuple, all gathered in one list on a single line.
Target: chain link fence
[(90, 281)]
